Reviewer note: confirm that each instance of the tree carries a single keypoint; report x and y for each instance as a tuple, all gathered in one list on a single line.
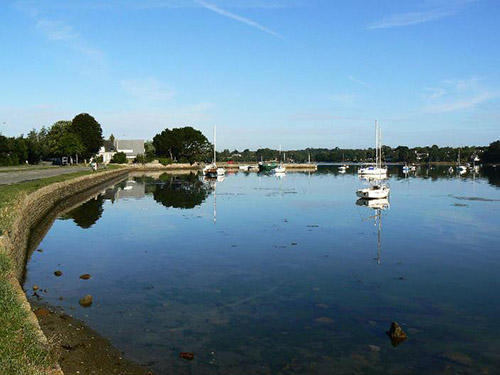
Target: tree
[(90, 133), (54, 138), (492, 153), (182, 143)]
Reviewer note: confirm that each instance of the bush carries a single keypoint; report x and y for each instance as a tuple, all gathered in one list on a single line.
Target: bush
[(165, 161), (119, 158)]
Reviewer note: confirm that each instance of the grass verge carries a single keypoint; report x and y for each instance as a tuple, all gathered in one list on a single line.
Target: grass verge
[(12, 195), (21, 351)]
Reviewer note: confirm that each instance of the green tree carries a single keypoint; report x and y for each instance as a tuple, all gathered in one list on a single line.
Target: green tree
[(54, 138), (90, 133), (492, 153), (182, 143)]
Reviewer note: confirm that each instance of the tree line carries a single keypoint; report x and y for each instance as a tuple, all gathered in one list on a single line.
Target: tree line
[(80, 138)]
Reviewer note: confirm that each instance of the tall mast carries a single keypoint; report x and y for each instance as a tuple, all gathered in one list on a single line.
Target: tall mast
[(379, 146), (376, 143), (215, 147)]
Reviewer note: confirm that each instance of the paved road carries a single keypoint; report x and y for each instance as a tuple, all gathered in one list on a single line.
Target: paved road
[(17, 176)]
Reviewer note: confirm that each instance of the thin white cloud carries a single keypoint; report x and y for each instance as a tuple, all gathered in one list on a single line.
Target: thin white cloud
[(61, 32), (355, 80), (410, 18), (461, 104), (441, 9), (56, 30), (238, 18), (147, 90)]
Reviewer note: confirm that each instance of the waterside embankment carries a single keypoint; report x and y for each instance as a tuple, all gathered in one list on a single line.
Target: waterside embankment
[(33, 216)]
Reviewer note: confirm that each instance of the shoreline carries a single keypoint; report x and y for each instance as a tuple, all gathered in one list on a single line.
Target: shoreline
[(81, 349)]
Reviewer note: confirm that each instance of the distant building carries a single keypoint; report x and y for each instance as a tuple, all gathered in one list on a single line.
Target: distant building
[(131, 148), (107, 151)]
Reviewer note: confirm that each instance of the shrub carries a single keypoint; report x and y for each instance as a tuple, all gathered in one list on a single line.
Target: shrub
[(119, 158), (165, 161)]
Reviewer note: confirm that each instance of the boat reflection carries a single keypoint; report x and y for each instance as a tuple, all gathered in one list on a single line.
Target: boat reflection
[(378, 205)]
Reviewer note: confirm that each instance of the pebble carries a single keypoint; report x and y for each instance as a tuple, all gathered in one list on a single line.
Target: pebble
[(35, 287), (58, 273), (85, 276)]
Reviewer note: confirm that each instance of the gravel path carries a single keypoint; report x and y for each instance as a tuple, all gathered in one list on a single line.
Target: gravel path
[(17, 176)]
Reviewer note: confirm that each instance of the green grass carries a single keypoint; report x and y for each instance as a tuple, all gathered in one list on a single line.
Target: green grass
[(12, 195), (21, 352)]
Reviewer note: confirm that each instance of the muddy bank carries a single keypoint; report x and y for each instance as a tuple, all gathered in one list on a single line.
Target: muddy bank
[(82, 350)]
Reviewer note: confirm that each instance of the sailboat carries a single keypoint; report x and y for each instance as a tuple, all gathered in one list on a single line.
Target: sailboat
[(211, 170), (460, 168), (377, 169), (280, 168), (377, 190)]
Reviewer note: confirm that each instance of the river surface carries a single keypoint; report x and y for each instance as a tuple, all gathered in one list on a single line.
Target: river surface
[(264, 275)]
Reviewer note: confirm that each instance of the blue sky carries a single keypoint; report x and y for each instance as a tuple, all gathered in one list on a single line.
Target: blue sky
[(300, 73)]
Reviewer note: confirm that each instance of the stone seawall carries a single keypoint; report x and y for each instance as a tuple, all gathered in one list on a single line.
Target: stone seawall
[(36, 207), (35, 215)]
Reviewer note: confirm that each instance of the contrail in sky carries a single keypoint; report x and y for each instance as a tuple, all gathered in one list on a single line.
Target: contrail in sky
[(236, 17)]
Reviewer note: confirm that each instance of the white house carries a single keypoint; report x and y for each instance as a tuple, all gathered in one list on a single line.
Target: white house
[(131, 148)]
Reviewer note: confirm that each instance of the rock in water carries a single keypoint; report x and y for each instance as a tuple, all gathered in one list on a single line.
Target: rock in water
[(58, 273), (85, 276), (189, 356), (35, 287), (86, 301), (396, 334)]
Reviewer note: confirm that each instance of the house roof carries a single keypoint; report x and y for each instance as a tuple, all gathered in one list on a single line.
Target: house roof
[(131, 147), (109, 146)]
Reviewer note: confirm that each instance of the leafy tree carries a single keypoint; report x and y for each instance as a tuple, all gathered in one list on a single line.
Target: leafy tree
[(55, 137), (492, 153), (90, 133), (182, 143)]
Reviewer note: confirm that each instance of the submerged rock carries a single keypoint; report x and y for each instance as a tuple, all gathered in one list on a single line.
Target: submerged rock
[(324, 320), (85, 276), (41, 312), (58, 273), (396, 334), (374, 348), (189, 356), (86, 301)]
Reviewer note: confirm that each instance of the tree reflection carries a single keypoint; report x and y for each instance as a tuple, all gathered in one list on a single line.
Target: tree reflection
[(184, 191), (86, 214), (492, 174)]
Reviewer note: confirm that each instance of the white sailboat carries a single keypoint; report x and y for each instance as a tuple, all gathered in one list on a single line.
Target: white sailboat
[(377, 169), (460, 168), (211, 170), (376, 190), (280, 168)]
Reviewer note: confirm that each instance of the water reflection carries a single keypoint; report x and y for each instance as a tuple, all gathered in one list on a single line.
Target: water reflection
[(184, 191), (378, 205), (86, 215)]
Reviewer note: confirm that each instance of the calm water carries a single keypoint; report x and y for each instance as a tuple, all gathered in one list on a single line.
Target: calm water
[(262, 275)]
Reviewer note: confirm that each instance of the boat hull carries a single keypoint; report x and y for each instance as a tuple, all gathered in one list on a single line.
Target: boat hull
[(373, 193)]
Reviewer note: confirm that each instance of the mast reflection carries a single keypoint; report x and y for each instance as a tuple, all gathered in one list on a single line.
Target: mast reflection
[(378, 205)]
